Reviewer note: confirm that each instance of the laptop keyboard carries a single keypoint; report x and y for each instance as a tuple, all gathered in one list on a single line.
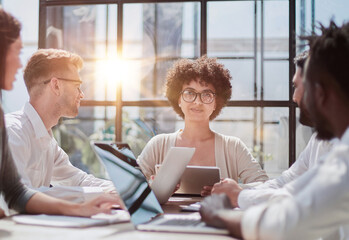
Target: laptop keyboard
[(181, 222)]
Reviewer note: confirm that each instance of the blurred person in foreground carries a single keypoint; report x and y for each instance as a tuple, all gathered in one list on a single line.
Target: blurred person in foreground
[(314, 151), (315, 205)]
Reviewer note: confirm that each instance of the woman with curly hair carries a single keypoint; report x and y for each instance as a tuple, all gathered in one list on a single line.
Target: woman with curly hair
[(197, 91)]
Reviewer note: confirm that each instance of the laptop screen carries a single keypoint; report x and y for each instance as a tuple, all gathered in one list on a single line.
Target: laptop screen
[(130, 182)]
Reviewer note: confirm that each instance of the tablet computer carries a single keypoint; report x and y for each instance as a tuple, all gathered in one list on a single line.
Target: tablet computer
[(195, 177)]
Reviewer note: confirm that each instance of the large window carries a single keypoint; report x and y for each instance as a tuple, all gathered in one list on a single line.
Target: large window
[(128, 46)]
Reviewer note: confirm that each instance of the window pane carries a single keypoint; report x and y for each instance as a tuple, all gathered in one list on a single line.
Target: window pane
[(236, 121), (155, 35), (97, 85), (74, 136), (132, 31), (163, 30), (145, 79), (275, 152), (242, 72), (246, 123), (276, 82), (276, 29), (78, 29), (140, 124), (230, 28), (310, 13), (90, 31), (28, 15)]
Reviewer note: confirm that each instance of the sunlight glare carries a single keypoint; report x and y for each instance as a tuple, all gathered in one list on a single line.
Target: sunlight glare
[(112, 70)]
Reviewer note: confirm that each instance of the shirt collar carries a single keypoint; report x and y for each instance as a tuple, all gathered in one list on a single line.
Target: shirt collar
[(38, 125), (345, 136)]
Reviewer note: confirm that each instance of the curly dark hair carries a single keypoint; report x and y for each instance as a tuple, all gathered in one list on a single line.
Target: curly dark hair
[(207, 71), (329, 53), (300, 59), (10, 29)]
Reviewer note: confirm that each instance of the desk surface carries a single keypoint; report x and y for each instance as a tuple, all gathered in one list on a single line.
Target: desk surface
[(11, 230)]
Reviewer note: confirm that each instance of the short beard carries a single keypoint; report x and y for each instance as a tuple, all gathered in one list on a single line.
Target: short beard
[(304, 118), (323, 134), (322, 127)]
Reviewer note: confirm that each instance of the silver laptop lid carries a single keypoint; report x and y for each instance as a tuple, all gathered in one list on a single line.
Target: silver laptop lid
[(129, 181)]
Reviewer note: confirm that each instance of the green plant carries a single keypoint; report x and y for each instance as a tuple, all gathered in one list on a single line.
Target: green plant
[(260, 156)]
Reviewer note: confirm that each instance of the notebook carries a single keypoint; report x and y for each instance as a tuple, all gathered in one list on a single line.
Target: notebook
[(144, 208), (117, 216), (170, 172)]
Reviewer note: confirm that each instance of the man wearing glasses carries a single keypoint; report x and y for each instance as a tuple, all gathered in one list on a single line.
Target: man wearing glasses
[(53, 83)]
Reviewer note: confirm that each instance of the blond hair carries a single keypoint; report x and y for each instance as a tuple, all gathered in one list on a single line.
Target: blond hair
[(44, 63)]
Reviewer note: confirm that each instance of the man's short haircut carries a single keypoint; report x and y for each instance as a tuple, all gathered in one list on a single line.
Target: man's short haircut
[(45, 63), (10, 29), (206, 71), (329, 53), (300, 59)]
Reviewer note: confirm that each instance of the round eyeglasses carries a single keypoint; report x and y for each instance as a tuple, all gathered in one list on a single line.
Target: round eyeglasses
[(190, 96)]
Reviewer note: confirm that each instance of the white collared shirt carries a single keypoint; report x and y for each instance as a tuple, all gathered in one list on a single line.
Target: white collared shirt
[(39, 159), (314, 151), (315, 205)]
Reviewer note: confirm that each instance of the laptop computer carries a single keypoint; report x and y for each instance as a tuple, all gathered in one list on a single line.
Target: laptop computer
[(145, 210)]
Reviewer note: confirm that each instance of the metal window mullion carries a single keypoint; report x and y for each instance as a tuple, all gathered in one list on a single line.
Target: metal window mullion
[(313, 16), (195, 13), (155, 70), (203, 24), (106, 54), (292, 108), (255, 75), (262, 81), (118, 103), (42, 24), (155, 103)]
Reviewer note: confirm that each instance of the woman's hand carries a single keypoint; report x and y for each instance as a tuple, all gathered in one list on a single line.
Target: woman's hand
[(101, 204), (120, 203), (176, 188), (41, 203)]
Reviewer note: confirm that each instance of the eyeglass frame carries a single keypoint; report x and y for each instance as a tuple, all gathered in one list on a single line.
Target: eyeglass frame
[(67, 80), (196, 95)]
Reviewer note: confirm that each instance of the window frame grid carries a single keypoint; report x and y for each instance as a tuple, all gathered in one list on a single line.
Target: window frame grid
[(119, 103)]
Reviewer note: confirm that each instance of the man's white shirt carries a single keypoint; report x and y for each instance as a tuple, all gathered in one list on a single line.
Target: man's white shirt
[(315, 150), (38, 157), (314, 206)]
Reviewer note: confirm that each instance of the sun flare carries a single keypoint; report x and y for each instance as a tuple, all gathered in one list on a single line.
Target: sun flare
[(113, 71)]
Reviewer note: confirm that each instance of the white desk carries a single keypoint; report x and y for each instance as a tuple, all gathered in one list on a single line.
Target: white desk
[(9, 230)]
